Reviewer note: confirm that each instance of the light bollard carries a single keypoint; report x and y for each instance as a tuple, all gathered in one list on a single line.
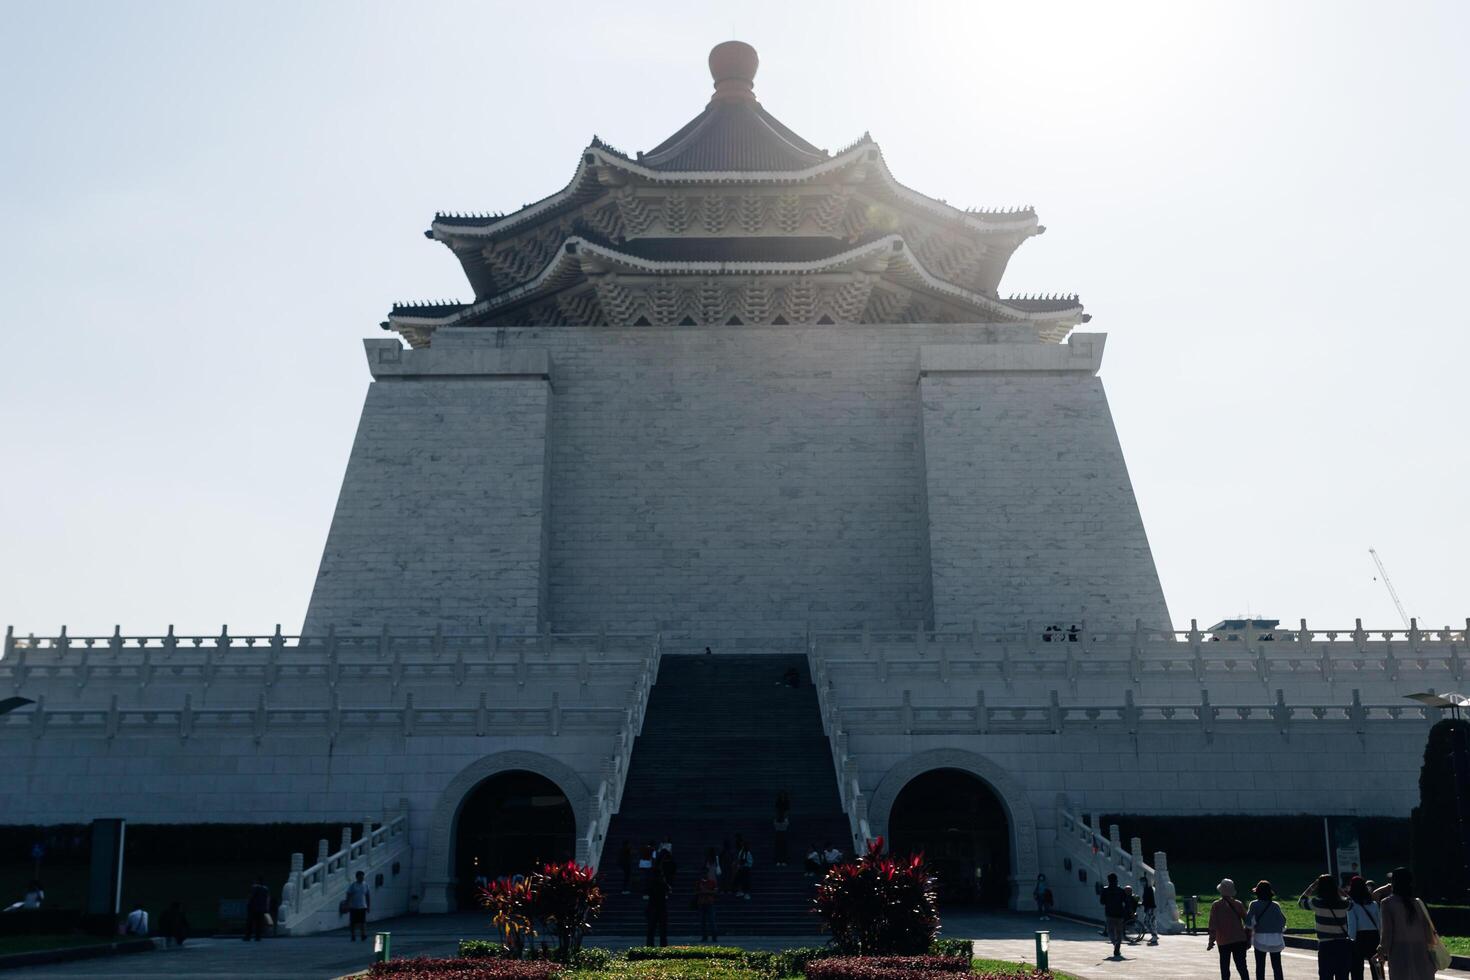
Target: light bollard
[(1043, 944), (380, 946)]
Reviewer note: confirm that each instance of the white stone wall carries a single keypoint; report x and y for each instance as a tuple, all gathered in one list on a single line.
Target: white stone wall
[(1031, 513), (441, 518), (735, 483)]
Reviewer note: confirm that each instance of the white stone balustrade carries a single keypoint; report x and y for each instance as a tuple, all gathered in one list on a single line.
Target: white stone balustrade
[(311, 895), (1100, 856)]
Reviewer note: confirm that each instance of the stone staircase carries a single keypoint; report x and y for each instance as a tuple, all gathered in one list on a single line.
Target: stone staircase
[(721, 737)]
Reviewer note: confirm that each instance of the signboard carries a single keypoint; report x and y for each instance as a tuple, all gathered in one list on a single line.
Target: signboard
[(1347, 851)]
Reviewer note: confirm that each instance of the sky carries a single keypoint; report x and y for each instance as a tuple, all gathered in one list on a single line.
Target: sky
[(205, 206)]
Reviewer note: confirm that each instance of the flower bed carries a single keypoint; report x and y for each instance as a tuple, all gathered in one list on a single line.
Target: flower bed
[(466, 969), (886, 968)]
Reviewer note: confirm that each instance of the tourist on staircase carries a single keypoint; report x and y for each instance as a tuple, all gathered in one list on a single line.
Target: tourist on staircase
[(744, 863), (1268, 930), (625, 864), (1227, 930), (814, 861), (727, 867), (705, 894), (657, 889)]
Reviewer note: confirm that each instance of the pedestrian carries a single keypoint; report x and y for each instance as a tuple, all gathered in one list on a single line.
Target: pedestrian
[(33, 897), (666, 865), (645, 864), (831, 856), (1363, 932), (359, 902), (137, 922), (1191, 914), (174, 925), (1334, 952), (744, 862), (1115, 909), (1407, 931), (712, 864), (1150, 911), (814, 861), (656, 912), (257, 907), (727, 866), (781, 825), (705, 894), (625, 864), (1039, 893), (1227, 930), (1267, 923)]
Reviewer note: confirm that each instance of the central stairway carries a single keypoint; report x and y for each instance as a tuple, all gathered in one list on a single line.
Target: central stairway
[(721, 737)]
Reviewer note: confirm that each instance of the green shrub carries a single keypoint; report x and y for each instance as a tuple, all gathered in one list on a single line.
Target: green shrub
[(592, 958), (962, 949), (785, 962), (483, 949), (685, 953)]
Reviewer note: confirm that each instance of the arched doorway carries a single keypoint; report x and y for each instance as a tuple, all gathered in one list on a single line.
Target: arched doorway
[(507, 824), (961, 826)]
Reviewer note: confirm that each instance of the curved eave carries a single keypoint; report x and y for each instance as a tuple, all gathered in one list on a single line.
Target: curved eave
[(586, 183), (889, 256)]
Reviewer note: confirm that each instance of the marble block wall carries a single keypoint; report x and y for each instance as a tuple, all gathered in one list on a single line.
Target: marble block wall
[(730, 485)]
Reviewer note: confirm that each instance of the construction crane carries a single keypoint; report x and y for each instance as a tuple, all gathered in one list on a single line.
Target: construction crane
[(1392, 592)]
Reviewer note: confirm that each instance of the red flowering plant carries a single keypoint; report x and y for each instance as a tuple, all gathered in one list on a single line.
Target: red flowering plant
[(562, 898), (566, 898), (880, 905)]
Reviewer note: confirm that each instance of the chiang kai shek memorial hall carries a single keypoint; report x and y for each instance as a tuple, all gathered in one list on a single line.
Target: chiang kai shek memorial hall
[(741, 393)]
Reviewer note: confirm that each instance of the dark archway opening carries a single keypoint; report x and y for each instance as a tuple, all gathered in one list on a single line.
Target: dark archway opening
[(507, 825), (961, 826)]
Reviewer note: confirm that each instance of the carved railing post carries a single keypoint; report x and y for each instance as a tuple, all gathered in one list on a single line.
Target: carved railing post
[(1054, 712), (1281, 713), (259, 719), (1207, 715), (982, 713), (408, 715), (482, 716), (555, 713), (906, 713), (38, 717), (334, 718), (186, 718), (113, 721)]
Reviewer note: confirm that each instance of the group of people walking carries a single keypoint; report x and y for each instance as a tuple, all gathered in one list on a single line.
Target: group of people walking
[(1360, 929)]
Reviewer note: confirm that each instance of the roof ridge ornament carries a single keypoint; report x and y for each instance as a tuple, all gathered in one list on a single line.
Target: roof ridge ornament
[(732, 65)]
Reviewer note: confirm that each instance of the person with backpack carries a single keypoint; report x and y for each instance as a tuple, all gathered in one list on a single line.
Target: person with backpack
[(1040, 893), (1228, 931), (656, 912), (744, 862), (705, 894), (1334, 952), (1267, 923), (1115, 909), (1362, 924)]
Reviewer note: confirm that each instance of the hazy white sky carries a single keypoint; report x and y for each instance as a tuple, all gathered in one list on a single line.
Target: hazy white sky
[(204, 206)]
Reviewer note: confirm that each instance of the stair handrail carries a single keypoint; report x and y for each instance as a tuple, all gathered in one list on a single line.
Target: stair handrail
[(308, 889), (608, 798), (849, 789), (1105, 853)]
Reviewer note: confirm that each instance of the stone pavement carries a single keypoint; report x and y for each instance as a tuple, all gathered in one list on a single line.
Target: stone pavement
[(1075, 948)]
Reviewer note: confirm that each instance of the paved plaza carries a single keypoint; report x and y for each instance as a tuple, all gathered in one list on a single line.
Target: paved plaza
[(1075, 949)]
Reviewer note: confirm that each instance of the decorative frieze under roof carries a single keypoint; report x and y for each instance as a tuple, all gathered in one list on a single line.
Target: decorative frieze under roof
[(735, 219)]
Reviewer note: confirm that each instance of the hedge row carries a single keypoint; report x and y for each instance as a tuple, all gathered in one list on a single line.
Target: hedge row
[(685, 953), (484, 968)]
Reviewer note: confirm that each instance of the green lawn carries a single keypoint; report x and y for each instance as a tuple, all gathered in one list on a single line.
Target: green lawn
[(1287, 878), (199, 887), (1020, 969)]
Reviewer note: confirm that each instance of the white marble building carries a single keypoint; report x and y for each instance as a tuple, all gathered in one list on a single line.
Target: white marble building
[(743, 393)]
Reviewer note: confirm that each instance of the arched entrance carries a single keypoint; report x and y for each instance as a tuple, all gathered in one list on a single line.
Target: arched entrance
[(961, 826), (508, 824)]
